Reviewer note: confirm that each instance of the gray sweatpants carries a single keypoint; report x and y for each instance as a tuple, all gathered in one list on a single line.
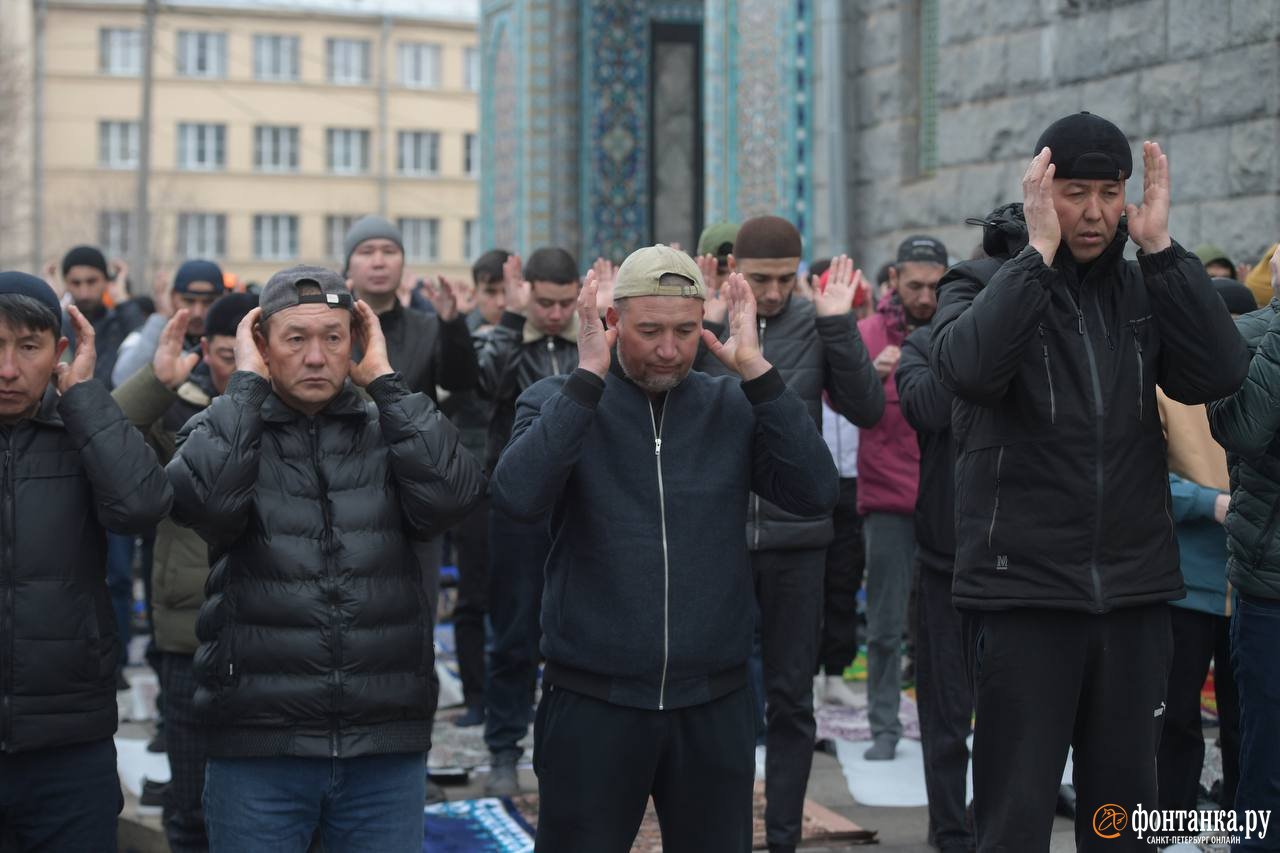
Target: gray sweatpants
[(891, 548)]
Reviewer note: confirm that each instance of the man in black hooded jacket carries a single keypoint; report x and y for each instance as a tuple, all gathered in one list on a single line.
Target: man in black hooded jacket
[(1065, 550)]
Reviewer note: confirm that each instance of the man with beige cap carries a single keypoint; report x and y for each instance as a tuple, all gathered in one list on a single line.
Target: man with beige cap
[(643, 467)]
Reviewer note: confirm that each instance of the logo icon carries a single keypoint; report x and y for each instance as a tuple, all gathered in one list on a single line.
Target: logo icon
[(1110, 820)]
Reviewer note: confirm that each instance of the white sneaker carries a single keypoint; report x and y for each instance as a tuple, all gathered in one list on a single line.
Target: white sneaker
[(837, 692)]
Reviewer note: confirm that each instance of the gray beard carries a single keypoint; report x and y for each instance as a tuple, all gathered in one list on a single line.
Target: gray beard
[(651, 386)]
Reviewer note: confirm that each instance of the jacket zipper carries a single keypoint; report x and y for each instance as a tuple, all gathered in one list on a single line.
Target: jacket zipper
[(555, 362), (1099, 413), (666, 564), (334, 617), (995, 509), (9, 523), (1048, 374), (1137, 342), (755, 499)]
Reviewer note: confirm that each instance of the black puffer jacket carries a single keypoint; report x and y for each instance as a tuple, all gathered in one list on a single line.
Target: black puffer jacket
[(67, 475), (814, 355), (316, 636), (428, 351), (1246, 424), (1062, 492), (512, 357), (926, 405)]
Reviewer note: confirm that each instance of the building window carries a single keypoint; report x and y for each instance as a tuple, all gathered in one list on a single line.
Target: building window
[(114, 228), (421, 239), (202, 54), (470, 239), (348, 61), (118, 144), (419, 65), (202, 235), (275, 237), (335, 229), (275, 57), (275, 149), (348, 151), (202, 147), (471, 155), (120, 51), (418, 152), (471, 68)]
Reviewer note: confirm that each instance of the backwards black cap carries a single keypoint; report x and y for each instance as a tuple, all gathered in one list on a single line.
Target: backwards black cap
[(1087, 147)]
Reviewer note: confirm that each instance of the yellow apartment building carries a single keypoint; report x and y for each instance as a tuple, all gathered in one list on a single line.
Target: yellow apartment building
[(274, 126)]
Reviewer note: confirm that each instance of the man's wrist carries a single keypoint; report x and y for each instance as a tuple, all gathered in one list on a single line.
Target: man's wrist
[(1046, 251), (830, 311), (1159, 244), (600, 371), (754, 368)]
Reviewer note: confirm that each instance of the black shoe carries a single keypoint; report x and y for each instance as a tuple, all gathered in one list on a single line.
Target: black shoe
[(473, 717), (153, 793), (158, 743), (122, 683), (435, 794)]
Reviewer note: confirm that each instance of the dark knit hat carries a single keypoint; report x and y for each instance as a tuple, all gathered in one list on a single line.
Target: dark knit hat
[(15, 283), (226, 313), (196, 270), (1087, 147), (1239, 299), (85, 256), (368, 228)]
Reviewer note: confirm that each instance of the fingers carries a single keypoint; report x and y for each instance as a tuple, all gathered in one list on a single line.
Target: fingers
[(587, 298), (1035, 169), (84, 329), (248, 323), (711, 342), (175, 329)]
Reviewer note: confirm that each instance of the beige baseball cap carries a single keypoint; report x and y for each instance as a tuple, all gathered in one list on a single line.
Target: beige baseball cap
[(641, 274)]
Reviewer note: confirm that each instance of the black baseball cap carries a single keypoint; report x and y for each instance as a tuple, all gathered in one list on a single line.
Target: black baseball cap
[(922, 249), (281, 290), (1087, 147)]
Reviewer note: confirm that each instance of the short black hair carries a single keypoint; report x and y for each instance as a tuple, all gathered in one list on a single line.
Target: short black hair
[(25, 312), (488, 267), (226, 313), (551, 264)]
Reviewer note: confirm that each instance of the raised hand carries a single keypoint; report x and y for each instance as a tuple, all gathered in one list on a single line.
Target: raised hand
[(49, 272), (1149, 224), (517, 289), (404, 290), (171, 365), (843, 283), (369, 331), (81, 367), (595, 342), (442, 295), (464, 290), (119, 287), (887, 361), (1044, 233), (248, 356), (716, 307), (740, 352), (605, 272), (806, 287), (162, 293)]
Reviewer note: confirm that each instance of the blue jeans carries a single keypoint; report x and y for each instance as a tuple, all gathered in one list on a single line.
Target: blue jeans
[(61, 799), (1255, 637), (517, 558), (369, 804)]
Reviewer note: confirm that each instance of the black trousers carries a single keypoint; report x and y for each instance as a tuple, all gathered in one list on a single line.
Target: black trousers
[(789, 593), (945, 697), (1045, 680), (188, 752), (846, 564), (1198, 638), (598, 764), (471, 542)]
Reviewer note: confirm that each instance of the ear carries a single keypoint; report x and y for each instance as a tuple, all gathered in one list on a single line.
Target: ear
[(611, 317), (204, 348), (893, 278), (733, 264), (260, 339)]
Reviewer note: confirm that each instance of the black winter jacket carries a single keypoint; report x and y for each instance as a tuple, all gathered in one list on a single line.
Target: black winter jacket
[(926, 405), (814, 355), (70, 473), (110, 328), (1246, 424), (316, 638), (428, 352), (513, 356), (1062, 491), (648, 599)]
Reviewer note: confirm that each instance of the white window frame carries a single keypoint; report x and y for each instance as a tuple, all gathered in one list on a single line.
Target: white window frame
[(418, 64), (418, 153), (347, 150), (202, 54), (202, 235), (195, 138), (471, 69), (347, 61), (275, 57), (120, 51), (275, 148), (421, 236), (118, 144), (275, 236), (115, 232), (336, 226)]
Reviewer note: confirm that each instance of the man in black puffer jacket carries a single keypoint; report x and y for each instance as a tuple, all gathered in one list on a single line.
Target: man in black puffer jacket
[(71, 466), (1065, 550), (1246, 424), (315, 658)]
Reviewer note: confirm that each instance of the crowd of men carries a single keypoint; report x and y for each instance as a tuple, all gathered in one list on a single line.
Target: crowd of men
[(665, 483)]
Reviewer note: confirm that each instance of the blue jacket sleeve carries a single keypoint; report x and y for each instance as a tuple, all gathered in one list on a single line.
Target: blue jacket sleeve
[(1191, 501)]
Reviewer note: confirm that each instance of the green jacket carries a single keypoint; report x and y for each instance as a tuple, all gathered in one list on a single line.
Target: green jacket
[(181, 562), (1246, 424)]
